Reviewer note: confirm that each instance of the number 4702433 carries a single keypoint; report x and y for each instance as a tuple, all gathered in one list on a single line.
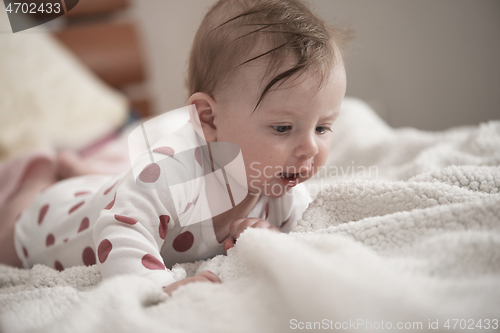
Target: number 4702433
[(33, 8), (471, 324)]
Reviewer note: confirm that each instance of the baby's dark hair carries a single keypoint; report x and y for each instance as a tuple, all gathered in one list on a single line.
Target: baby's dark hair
[(232, 31)]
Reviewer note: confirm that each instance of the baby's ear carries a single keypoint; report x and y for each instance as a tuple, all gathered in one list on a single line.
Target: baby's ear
[(202, 115)]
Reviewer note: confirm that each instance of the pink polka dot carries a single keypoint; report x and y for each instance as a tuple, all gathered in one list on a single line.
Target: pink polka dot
[(197, 156), (50, 240), (25, 252), (164, 219), (88, 256), (75, 207), (183, 242), (125, 219), (111, 204), (165, 151), (66, 240), (267, 210), (150, 174), (42, 213), (150, 262), (77, 194), (103, 250), (58, 266), (84, 225), (109, 189)]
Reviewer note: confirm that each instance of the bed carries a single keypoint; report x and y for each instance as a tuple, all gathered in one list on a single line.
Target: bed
[(404, 231)]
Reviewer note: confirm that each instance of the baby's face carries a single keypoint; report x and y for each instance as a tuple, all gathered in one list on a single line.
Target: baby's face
[(287, 139)]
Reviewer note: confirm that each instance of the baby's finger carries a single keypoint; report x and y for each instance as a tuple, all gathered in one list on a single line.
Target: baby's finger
[(233, 227), (265, 225), (247, 223), (228, 243), (211, 276)]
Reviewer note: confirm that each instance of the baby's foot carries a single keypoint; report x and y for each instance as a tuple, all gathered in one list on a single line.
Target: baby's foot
[(39, 172), (70, 164)]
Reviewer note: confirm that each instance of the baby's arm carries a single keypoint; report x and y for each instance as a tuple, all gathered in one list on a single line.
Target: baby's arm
[(131, 231)]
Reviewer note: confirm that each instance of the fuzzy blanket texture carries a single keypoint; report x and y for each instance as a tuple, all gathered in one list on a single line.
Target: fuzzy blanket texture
[(415, 240)]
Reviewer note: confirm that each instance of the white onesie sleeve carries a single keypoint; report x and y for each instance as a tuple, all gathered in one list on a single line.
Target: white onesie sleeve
[(131, 230)]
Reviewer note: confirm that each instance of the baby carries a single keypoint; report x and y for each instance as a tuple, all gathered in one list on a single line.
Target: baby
[(267, 76)]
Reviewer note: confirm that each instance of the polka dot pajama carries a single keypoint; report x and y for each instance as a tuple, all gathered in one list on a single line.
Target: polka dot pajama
[(56, 230)]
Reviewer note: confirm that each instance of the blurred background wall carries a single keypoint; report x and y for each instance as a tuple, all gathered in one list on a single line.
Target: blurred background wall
[(430, 64)]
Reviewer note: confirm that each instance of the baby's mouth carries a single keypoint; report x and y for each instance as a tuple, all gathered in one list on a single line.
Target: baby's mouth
[(289, 179), (289, 176)]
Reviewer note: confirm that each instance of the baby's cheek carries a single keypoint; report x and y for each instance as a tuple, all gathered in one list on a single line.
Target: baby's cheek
[(324, 151), (255, 173), (319, 162)]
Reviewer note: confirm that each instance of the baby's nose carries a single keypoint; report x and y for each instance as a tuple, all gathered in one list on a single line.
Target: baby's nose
[(307, 147)]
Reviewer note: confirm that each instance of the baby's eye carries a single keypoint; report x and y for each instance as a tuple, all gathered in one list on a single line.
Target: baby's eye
[(323, 129), (282, 129)]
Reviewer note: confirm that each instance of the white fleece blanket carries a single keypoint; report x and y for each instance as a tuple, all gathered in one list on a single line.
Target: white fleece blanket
[(414, 244)]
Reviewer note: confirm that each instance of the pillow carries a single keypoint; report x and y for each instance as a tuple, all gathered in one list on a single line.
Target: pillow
[(48, 99)]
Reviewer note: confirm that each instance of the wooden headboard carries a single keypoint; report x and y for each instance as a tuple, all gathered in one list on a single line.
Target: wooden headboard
[(107, 41)]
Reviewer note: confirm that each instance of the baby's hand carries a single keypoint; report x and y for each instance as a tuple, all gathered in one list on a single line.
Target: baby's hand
[(205, 276), (238, 226)]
